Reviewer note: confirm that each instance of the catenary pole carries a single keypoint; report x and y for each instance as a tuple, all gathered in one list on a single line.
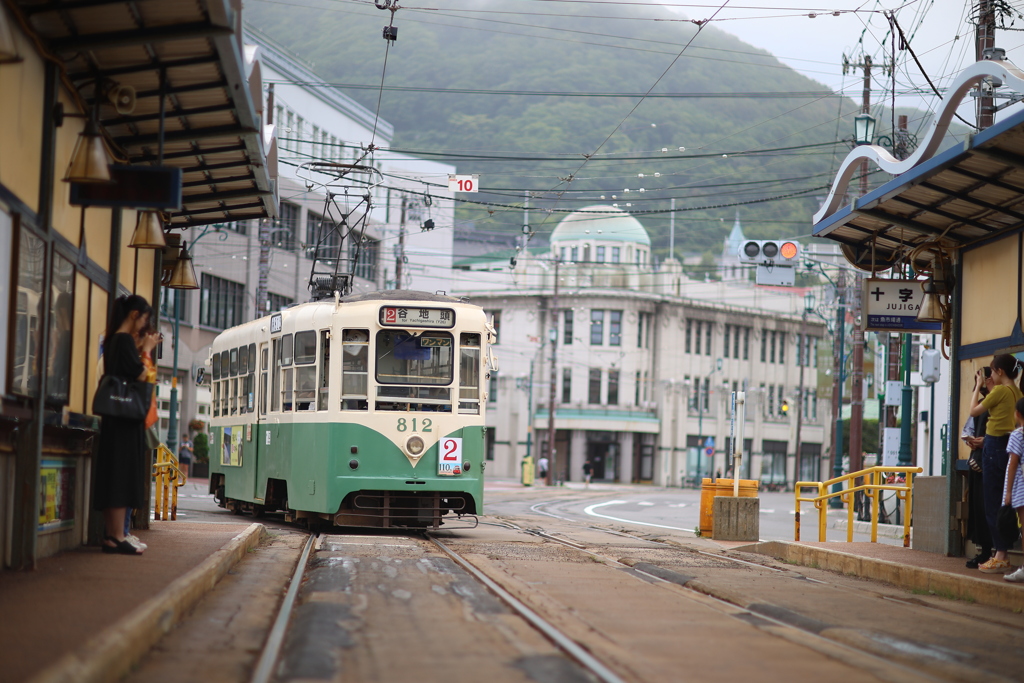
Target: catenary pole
[(552, 456)]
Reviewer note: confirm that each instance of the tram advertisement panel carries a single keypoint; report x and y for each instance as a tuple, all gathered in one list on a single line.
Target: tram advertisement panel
[(232, 446)]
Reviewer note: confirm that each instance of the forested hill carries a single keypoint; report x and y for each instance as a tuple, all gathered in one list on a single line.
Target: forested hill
[(494, 53)]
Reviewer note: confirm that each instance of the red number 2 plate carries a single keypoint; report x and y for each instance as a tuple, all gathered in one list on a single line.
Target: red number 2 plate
[(449, 457)]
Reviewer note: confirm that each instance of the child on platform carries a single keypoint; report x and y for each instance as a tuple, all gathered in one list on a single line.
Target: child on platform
[(1014, 489)]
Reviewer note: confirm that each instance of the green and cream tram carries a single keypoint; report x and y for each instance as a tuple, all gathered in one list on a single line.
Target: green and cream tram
[(366, 410)]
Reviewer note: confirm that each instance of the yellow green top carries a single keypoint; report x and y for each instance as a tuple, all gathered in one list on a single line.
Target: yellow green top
[(1000, 404)]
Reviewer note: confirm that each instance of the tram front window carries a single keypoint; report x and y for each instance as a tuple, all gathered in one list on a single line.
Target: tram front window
[(406, 359), (424, 364)]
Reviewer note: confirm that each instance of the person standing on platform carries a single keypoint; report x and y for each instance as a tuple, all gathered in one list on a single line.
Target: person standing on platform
[(122, 461), (1000, 404)]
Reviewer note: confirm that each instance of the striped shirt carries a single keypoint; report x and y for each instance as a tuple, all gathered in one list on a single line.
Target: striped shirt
[(1015, 446)]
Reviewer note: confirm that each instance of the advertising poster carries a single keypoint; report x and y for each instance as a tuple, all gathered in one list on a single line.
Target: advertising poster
[(56, 493), (231, 445)]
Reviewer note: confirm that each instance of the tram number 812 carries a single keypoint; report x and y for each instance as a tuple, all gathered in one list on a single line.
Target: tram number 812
[(425, 425)]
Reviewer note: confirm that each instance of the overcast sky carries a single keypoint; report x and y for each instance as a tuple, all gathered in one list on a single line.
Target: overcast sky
[(816, 46)]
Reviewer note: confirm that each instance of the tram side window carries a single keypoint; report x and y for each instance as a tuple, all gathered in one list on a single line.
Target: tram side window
[(243, 360), (234, 395), (225, 365), (233, 363), (469, 374), (287, 374), (305, 370), (275, 389), (263, 379), (325, 370), (250, 396), (216, 366), (216, 396), (355, 353)]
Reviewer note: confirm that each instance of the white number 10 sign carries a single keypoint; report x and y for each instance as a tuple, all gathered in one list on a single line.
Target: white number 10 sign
[(449, 457)]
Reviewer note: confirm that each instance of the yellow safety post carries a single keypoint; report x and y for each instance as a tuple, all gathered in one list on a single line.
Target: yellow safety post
[(168, 478)]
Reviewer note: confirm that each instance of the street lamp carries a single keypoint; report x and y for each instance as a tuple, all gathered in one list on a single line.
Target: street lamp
[(184, 277), (864, 129)]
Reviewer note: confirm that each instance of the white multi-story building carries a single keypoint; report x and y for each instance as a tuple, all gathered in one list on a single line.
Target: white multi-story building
[(646, 361), (313, 123)]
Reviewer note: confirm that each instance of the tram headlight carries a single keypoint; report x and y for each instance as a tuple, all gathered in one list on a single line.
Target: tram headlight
[(414, 445)]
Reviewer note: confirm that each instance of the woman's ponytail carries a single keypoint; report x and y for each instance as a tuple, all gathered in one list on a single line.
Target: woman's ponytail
[(123, 305)]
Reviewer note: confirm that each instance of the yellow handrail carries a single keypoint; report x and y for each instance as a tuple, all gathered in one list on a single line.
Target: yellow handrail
[(875, 482), (169, 478)]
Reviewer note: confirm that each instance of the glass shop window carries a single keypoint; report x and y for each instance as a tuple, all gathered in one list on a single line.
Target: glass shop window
[(24, 376), (62, 308)]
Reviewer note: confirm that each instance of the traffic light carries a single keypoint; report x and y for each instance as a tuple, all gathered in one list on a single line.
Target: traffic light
[(785, 407), (778, 252), (776, 260)]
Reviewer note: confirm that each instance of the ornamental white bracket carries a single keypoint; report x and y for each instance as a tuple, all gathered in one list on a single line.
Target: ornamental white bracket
[(967, 80)]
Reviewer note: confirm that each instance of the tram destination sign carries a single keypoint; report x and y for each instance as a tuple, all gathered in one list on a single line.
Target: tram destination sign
[(893, 305), (415, 316)]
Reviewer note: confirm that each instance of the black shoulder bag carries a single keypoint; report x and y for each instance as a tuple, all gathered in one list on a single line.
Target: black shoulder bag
[(122, 398)]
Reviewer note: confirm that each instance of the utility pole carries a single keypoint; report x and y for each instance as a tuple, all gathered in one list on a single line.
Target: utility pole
[(264, 270), (984, 43), (551, 389), (865, 108), (400, 259), (803, 357), (837, 392), (672, 228)]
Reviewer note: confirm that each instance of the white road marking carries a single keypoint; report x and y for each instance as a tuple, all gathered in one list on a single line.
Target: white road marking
[(645, 503), (677, 505), (763, 511), (590, 511)]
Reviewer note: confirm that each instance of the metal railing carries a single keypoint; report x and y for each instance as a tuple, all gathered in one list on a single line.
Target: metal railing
[(169, 478), (875, 480)]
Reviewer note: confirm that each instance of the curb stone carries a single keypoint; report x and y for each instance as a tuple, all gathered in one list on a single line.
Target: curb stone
[(983, 591), (115, 650)]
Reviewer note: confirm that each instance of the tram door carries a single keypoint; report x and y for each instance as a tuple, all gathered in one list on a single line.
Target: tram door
[(259, 450)]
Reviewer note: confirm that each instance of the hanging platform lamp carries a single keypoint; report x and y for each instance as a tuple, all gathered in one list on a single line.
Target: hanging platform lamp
[(90, 162), (149, 232), (184, 275)]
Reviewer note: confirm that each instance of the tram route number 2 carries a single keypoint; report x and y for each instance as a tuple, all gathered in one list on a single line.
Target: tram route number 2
[(463, 183), (449, 457)]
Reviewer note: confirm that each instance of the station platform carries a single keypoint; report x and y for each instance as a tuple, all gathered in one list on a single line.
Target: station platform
[(85, 615)]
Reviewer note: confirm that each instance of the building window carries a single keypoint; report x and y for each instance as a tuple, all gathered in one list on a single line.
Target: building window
[(725, 345), (613, 387), (278, 302), (221, 302), (696, 336), (586, 253), (705, 395), (566, 385), (167, 303), (367, 254), (636, 397), (781, 399), (764, 346), (746, 343), (814, 351), (594, 387), (567, 327), (492, 387), (616, 254), (600, 254), (782, 348), (596, 328), (647, 384), (814, 404), (495, 317), (614, 328), (771, 346), (287, 226), (689, 335), (562, 253), (771, 399), (708, 327), (574, 254)]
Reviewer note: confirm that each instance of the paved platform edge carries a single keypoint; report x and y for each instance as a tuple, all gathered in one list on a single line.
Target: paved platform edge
[(113, 653), (945, 584)]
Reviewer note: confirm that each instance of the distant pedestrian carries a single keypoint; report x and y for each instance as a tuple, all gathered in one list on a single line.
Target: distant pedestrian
[(718, 473), (588, 469), (542, 467), (185, 451)]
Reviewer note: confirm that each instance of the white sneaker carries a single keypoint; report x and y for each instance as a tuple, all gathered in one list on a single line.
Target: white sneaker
[(1017, 576), (136, 541)]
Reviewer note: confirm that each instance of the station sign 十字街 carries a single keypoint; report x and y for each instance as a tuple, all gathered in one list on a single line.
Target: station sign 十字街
[(893, 305)]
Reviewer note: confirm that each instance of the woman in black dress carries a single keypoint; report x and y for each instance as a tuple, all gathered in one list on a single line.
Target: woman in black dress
[(122, 463)]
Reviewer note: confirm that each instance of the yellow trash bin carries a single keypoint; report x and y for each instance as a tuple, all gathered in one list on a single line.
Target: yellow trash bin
[(721, 487), (528, 469)]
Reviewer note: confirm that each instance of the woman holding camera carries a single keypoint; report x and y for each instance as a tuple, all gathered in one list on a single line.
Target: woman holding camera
[(1000, 404)]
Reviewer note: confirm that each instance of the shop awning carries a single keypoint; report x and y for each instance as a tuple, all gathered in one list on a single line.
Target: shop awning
[(966, 195), (191, 54)]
